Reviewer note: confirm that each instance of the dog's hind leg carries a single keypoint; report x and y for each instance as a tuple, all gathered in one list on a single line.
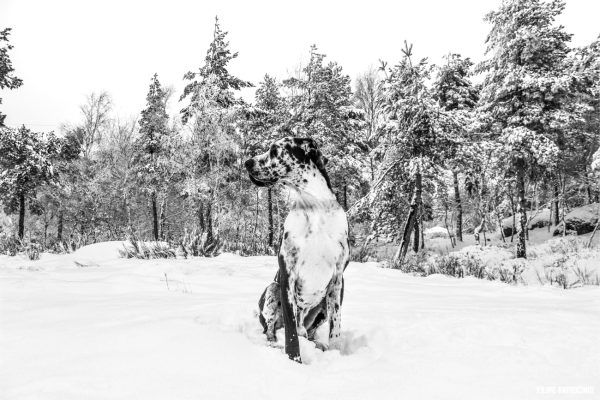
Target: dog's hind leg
[(270, 315), (292, 344)]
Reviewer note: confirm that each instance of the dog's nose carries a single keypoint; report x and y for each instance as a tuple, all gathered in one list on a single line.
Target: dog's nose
[(249, 164)]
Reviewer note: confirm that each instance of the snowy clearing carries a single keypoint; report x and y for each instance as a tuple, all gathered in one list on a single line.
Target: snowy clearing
[(109, 328)]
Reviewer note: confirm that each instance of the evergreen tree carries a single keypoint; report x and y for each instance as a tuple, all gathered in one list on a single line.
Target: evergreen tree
[(528, 90), (457, 95), (272, 114), (322, 107), (25, 159), (413, 143), (216, 63), (7, 79), (215, 143), (153, 145)]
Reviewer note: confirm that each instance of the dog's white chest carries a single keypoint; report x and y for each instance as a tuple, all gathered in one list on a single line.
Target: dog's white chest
[(315, 243)]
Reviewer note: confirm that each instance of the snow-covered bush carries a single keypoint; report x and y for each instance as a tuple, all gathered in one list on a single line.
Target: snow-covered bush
[(146, 250), (33, 251), (9, 245)]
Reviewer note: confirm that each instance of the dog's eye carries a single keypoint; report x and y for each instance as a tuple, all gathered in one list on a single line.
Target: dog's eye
[(273, 151)]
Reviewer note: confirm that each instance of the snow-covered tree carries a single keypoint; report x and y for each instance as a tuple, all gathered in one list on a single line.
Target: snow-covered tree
[(271, 113), (7, 78), (25, 159), (322, 107), (528, 90), (216, 64), (457, 96), (215, 144), (154, 149), (413, 139)]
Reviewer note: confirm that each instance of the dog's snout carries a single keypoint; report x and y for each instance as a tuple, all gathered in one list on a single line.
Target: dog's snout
[(249, 164)]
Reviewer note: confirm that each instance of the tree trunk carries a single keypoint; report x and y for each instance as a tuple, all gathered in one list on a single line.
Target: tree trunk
[(500, 225), (154, 217), (163, 218), (521, 245), (513, 209), (416, 235), (564, 223), (422, 229), (209, 227), (270, 214), (21, 215), (201, 221), (410, 221), (59, 231), (459, 213), (479, 230), (555, 203)]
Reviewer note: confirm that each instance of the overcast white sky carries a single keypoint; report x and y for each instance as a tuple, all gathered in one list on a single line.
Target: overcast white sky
[(64, 50)]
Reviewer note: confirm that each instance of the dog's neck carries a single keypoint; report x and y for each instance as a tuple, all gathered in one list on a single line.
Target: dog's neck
[(312, 192)]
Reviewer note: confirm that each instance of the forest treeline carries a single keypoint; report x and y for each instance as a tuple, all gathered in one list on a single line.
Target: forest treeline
[(462, 145)]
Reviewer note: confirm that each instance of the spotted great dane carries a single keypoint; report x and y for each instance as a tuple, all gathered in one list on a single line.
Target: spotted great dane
[(308, 290)]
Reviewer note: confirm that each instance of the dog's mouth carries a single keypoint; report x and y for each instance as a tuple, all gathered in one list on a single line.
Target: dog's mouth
[(262, 182)]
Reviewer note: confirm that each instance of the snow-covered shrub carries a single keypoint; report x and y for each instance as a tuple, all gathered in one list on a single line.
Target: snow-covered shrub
[(33, 251), (566, 262), (9, 245), (364, 253), (416, 263), (197, 244), (449, 265), (146, 250), (508, 272), (460, 265)]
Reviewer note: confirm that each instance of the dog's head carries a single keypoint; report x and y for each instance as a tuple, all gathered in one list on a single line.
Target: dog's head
[(291, 161)]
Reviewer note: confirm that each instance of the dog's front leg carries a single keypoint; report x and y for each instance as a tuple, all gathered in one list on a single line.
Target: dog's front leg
[(334, 303), (292, 345)]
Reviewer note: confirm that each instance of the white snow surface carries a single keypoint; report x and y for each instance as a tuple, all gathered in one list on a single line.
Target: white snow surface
[(109, 328)]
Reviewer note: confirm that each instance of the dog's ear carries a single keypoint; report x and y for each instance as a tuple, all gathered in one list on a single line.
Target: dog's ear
[(325, 160)]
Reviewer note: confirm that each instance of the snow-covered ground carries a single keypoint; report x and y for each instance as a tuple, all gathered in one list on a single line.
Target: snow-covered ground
[(110, 328)]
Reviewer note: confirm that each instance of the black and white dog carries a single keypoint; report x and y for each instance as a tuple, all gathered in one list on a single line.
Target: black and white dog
[(314, 250)]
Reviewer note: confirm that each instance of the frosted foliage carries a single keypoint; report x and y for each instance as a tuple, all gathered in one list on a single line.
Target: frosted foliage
[(523, 142)]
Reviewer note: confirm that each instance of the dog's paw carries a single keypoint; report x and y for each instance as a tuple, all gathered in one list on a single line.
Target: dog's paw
[(321, 346)]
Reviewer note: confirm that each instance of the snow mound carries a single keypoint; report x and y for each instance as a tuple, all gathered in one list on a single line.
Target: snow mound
[(436, 232), (94, 255)]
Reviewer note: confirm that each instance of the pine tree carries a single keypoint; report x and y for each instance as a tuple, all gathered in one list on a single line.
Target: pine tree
[(154, 148), (269, 101), (528, 90), (413, 143), (7, 79), (457, 95), (25, 159), (216, 63), (322, 108)]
